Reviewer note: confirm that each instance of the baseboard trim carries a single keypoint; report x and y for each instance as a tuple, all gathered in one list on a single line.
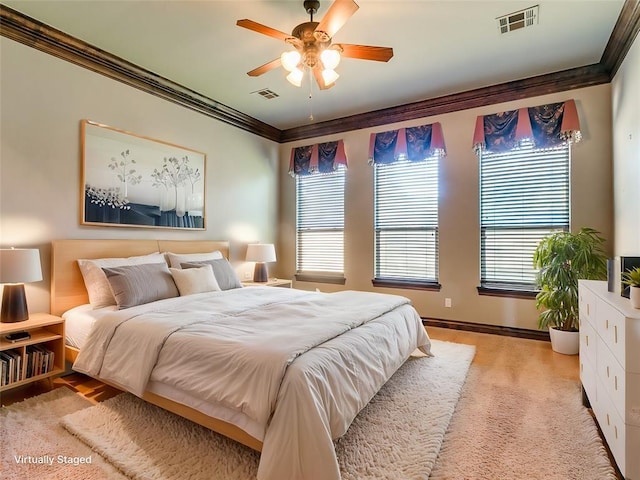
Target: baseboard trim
[(485, 328)]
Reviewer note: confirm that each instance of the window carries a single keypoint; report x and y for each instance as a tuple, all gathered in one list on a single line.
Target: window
[(406, 221), (320, 224), (524, 196)]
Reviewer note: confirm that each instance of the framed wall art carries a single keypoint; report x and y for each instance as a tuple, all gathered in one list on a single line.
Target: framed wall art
[(135, 181)]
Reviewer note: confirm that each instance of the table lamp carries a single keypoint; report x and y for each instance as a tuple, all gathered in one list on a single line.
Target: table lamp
[(17, 267), (261, 253)]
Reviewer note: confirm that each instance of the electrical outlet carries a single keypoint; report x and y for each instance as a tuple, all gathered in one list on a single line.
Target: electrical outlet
[(447, 302), (247, 275)]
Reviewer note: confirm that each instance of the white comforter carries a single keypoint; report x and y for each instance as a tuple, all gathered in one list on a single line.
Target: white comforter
[(300, 365)]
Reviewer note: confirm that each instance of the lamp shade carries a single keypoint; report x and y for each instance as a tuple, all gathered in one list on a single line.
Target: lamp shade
[(330, 59), (20, 265), (329, 77), (295, 77), (17, 267), (290, 60), (261, 252)]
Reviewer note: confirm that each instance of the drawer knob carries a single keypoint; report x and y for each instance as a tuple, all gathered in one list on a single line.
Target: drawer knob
[(607, 371), (615, 382), (608, 422), (615, 333)]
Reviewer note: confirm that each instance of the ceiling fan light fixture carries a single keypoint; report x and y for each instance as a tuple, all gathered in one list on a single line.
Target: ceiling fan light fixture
[(295, 77), (312, 48), (329, 76), (330, 59), (290, 60)]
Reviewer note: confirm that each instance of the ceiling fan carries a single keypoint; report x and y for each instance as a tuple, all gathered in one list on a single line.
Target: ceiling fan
[(312, 45)]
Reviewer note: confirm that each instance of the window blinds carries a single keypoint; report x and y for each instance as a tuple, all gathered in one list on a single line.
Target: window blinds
[(406, 221), (524, 196), (320, 223)]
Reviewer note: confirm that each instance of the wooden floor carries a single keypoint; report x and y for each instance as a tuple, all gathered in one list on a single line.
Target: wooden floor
[(93, 390), (488, 348)]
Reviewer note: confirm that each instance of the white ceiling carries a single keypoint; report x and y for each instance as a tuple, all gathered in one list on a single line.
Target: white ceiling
[(440, 47)]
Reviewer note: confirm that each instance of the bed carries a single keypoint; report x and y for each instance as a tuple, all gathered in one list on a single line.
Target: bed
[(282, 371)]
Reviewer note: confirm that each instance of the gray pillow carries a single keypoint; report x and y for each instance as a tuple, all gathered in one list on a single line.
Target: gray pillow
[(222, 270), (138, 284), (97, 285)]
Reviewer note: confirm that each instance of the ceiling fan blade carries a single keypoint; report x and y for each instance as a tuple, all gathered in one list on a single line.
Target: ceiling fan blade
[(317, 73), (263, 29), (339, 12), (265, 68), (366, 52)]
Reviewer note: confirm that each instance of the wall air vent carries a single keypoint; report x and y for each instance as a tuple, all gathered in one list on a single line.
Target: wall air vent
[(266, 93), (517, 20)]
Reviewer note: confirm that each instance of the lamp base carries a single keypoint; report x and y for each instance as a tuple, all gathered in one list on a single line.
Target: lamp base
[(14, 304), (260, 273)]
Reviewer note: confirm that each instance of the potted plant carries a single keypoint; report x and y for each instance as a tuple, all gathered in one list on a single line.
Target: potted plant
[(632, 278), (561, 259)]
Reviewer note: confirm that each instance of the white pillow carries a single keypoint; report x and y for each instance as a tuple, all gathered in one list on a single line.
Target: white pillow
[(195, 280), (98, 288), (175, 259)]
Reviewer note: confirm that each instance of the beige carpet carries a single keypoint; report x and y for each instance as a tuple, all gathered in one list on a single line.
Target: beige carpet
[(519, 417)]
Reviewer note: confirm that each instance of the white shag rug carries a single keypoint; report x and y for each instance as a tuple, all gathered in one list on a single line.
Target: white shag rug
[(396, 437), (32, 434), (507, 425)]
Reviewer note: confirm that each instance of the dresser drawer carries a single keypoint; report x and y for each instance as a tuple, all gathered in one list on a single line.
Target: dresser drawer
[(588, 377), (632, 352), (610, 326), (586, 305), (588, 342), (633, 447), (612, 427), (612, 376)]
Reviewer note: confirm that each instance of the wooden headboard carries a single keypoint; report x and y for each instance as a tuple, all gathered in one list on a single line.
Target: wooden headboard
[(67, 285)]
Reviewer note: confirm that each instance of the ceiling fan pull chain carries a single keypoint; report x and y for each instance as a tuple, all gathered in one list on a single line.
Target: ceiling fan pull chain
[(310, 97)]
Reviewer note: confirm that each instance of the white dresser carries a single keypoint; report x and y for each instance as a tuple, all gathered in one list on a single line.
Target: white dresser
[(610, 370)]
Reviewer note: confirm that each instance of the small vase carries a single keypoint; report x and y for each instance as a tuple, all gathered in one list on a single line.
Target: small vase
[(634, 296)]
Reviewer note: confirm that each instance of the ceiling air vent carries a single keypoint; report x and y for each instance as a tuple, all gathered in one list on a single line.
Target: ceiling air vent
[(520, 19), (266, 93)]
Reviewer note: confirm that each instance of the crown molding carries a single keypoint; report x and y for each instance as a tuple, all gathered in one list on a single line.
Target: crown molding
[(622, 37), (541, 85), (35, 34)]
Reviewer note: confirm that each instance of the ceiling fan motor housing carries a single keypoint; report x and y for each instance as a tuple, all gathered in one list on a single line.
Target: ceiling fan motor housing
[(311, 46), (311, 6)]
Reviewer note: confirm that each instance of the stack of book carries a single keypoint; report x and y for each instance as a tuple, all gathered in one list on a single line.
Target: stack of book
[(10, 367), (14, 367)]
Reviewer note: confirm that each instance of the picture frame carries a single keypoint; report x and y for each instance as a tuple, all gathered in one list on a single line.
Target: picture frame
[(130, 180)]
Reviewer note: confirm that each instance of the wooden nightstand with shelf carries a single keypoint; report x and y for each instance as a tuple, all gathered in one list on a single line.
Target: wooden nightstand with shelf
[(46, 335), (272, 282)]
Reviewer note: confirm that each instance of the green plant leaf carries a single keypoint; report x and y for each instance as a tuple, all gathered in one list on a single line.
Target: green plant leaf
[(561, 259)]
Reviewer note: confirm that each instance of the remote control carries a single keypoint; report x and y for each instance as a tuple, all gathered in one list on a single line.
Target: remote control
[(14, 337)]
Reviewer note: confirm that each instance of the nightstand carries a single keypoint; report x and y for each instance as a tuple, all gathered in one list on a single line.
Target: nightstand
[(35, 358), (272, 282)]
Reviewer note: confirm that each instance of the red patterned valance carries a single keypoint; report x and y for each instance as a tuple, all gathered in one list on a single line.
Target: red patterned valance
[(411, 143), (546, 125), (318, 158)]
